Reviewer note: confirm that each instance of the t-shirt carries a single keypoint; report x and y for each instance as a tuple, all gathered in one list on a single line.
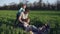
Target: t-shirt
[(20, 10)]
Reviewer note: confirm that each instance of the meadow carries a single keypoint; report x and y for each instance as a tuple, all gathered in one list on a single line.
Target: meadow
[(7, 19)]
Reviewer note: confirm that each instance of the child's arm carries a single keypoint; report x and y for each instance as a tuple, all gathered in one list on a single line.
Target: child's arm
[(28, 20), (20, 10), (31, 32), (20, 18)]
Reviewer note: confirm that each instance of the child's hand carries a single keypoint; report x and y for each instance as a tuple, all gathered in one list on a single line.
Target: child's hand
[(25, 24)]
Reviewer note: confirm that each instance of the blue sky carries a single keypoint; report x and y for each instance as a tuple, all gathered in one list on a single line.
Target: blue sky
[(7, 2)]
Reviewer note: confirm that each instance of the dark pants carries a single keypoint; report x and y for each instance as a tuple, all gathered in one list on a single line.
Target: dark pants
[(20, 25), (17, 17)]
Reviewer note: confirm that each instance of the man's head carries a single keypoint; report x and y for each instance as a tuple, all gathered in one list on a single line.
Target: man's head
[(24, 6)]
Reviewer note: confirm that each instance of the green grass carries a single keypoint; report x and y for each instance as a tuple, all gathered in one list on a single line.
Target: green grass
[(7, 17)]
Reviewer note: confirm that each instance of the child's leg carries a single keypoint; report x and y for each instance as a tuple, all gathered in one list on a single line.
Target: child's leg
[(31, 32), (17, 16)]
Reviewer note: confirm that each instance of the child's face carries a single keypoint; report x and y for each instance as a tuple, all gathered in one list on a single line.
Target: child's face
[(24, 6)]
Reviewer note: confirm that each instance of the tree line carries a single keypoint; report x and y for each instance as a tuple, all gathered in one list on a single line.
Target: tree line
[(35, 6)]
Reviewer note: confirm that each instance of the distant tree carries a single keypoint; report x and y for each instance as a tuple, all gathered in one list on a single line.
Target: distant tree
[(40, 2), (58, 4), (20, 4), (5, 6)]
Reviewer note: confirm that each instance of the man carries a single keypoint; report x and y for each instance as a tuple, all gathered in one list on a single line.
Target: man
[(22, 9)]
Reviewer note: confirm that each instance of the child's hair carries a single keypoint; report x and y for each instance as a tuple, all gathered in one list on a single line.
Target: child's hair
[(27, 10), (23, 5)]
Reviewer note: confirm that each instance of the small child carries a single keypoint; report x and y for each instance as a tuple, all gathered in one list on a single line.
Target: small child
[(22, 9)]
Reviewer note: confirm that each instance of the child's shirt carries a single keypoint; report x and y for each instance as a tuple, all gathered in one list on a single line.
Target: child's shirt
[(20, 10)]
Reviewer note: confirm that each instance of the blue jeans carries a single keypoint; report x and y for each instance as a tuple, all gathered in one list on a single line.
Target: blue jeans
[(31, 28)]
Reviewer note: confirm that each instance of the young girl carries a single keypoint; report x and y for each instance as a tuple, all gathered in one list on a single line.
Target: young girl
[(23, 18), (22, 9)]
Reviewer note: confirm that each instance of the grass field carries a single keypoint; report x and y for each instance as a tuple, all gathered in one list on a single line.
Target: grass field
[(7, 18)]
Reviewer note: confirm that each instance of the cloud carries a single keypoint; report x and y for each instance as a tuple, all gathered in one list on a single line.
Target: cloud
[(2, 2)]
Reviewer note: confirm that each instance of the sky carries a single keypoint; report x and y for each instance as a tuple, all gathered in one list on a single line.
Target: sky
[(7, 2)]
